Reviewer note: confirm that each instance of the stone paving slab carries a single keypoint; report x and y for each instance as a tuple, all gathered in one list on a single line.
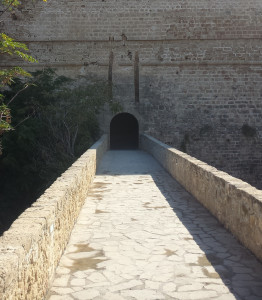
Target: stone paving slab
[(141, 236)]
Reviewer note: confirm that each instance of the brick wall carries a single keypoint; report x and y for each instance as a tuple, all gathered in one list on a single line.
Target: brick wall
[(200, 67)]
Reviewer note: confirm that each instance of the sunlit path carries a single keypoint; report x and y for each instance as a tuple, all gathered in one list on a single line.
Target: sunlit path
[(140, 235)]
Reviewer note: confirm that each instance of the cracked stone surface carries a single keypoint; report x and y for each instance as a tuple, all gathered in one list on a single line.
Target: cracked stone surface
[(141, 236)]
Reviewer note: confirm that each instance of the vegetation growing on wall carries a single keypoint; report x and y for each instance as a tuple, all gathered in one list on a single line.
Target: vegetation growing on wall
[(55, 122)]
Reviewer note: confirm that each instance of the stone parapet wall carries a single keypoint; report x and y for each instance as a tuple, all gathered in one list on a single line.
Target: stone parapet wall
[(31, 249), (236, 204)]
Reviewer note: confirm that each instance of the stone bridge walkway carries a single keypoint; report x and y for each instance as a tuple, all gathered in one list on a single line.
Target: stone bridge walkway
[(141, 236)]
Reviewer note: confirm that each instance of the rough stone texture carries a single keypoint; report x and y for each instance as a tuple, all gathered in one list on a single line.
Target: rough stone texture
[(199, 64), (141, 236), (236, 204), (31, 249)]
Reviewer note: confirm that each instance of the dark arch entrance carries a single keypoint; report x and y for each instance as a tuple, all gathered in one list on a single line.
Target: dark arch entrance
[(124, 132)]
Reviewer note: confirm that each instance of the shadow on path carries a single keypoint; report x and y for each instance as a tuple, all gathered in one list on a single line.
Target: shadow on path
[(224, 257)]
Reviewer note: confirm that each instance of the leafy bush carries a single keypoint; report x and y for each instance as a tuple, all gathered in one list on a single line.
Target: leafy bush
[(57, 120)]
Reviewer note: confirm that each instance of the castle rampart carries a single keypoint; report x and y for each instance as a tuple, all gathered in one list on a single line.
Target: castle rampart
[(189, 70)]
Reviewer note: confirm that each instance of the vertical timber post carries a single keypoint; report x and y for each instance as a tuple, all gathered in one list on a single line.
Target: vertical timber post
[(110, 75), (136, 77)]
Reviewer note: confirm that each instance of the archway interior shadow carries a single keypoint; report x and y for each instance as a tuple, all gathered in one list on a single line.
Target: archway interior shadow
[(124, 132)]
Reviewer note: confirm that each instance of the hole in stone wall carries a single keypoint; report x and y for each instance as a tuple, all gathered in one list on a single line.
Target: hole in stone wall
[(124, 132), (248, 131)]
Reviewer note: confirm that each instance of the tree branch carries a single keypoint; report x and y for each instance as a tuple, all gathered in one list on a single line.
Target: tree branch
[(7, 8), (22, 121), (12, 99)]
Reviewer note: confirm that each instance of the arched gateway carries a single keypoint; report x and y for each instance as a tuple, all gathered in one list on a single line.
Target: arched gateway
[(124, 132)]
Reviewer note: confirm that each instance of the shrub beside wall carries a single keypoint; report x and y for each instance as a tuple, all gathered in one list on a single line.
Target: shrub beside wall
[(31, 249), (236, 204)]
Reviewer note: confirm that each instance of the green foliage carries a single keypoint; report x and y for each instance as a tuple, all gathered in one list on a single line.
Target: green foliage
[(5, 118), (9, 46), (58, 122), (10, 3), (52, 124), (7, 75)]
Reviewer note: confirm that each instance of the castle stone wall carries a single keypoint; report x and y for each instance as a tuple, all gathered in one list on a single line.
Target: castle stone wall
[(199, 63)]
